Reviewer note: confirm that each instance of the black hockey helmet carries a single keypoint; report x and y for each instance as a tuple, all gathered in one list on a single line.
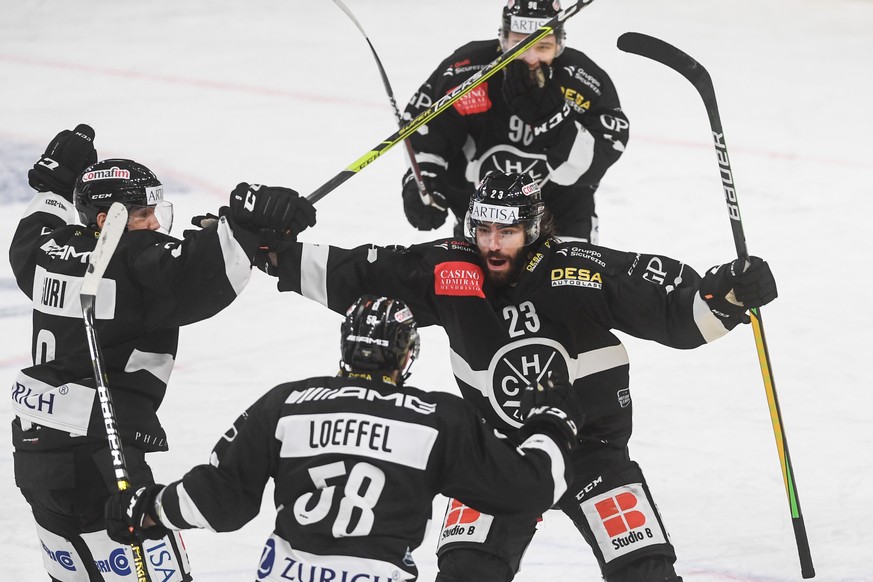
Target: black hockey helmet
[(506, 199), (377, 334), (120, 180), (526, 16)]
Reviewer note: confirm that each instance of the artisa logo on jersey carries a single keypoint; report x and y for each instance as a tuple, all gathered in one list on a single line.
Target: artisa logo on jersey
[(623, 520), (458, 278)]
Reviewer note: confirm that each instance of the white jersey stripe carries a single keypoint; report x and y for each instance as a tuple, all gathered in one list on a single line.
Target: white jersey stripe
[(549, 447), (710, 326), (237, 266), (313, 272), (583, 365), (158, 365)]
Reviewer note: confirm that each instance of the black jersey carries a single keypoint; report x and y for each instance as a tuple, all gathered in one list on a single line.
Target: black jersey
[(356, 464), (480, 133), (559, 315), (154, 284)]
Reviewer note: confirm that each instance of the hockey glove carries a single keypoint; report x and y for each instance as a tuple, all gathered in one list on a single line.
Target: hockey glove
[(534, 95), (66, 156), (424, 211), (730, 291), (553, 409), (126, 512), (273, 207)]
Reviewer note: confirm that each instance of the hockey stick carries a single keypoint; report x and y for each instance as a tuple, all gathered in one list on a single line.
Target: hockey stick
[(410, 153), (666, 54), (447, 100), (110, 234)]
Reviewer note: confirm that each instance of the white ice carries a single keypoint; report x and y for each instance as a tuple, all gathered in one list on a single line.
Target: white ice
[(209, 94)]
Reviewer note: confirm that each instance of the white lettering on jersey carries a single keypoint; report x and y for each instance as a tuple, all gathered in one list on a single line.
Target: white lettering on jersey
[(399, 398)]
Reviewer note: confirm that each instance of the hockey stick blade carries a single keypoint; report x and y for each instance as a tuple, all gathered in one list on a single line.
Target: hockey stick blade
[(447, 100), (670, 56), (110, 234)]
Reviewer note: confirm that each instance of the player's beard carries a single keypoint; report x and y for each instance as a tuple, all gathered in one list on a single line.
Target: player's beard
[(507, 276)]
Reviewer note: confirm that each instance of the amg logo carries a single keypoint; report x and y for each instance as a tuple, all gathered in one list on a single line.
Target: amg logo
[(398, 398), (363, 339), (65, 252)]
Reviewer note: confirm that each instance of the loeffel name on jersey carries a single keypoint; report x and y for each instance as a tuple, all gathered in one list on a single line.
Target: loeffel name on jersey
[(349, 432), (399, 399)]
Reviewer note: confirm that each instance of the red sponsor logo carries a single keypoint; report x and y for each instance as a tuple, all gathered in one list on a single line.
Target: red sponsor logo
[(476, 101), (458, 278), (618, 515), (459, 513)]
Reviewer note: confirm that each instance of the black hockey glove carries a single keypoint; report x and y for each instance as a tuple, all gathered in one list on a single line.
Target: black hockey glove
[(255, 206), (533, 95), (202, 221), (730, 292), (125, 512), (553, 409), (66, 156), (424, 212)]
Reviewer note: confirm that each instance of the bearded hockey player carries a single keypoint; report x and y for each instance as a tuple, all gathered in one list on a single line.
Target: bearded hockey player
[(357, 459), (552, 113), (516, 304), (154, 284)]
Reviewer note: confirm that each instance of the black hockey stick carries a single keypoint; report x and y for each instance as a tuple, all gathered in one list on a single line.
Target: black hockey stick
[(666, 54), (447, 100), (110, 234), (410, 153)]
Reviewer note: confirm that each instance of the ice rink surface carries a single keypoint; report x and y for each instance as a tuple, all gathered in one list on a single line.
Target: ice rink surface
[(210, 94)]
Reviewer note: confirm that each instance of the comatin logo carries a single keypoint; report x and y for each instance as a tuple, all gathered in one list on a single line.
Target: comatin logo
[(113, 173), (618, 515), (529, 189), (459, 514)]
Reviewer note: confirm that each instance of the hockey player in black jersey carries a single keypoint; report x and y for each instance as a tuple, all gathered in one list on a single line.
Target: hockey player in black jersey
[(517, 303), (154, 284), (357, 459), (552, 113)]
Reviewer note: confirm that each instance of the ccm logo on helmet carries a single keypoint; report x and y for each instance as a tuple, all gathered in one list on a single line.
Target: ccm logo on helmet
[(113, 173)]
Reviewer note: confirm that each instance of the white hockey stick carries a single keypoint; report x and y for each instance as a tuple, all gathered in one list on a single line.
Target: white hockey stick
[(110, 234)]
